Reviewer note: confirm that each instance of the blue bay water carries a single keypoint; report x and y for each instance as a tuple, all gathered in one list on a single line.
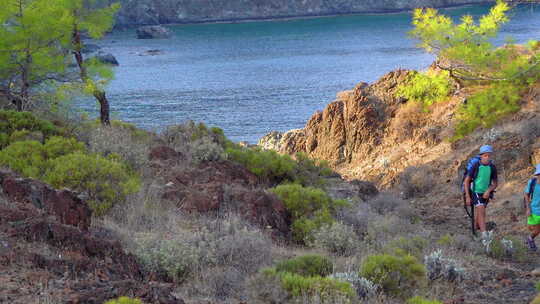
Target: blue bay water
[(252, 78)]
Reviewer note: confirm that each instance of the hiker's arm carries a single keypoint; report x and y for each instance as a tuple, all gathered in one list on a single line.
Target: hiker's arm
[(493, 186), (527, 204)]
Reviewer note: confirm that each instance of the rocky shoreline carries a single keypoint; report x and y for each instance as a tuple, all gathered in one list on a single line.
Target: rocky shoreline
[(135, 13)]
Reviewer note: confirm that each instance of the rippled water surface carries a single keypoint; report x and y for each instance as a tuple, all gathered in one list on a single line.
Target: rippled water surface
[(251, 78)]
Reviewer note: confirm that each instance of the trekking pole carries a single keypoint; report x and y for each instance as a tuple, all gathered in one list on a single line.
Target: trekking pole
[(470, 214)]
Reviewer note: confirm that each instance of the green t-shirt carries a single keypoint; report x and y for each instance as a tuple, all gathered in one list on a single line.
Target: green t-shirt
[(483, 179)]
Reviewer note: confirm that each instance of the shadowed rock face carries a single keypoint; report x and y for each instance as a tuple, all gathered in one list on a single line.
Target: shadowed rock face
[(45, 240), (137, 12), (65, 205)]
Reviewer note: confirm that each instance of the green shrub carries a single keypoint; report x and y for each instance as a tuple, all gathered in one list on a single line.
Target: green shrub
[(267, 165), (445, 240), (275, 168), (537, 286), (25, 157), (397, 275), (420, 300), (488, 106), (30, 158), (315, 286), (309, 207), (124, 300), (307, 265), (106, 181), (412, 246), (426, 88), (13, 121)]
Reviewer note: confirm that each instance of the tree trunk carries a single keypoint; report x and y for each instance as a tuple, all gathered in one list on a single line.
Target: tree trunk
[(104, 107), (104, 110)]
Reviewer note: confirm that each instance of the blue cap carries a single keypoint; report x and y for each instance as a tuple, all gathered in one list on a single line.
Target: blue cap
[(537, 170), (486, 149)]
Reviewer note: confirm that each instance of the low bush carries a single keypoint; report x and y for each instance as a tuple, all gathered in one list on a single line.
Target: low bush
[(133, 149), (326, 290), (365, 289), (310, 208), (226, 244), (30, 158), (17, 125), (441, 268), (264, 289), (63, 162), (337, 238), (414, 246), (124, 300), (275, 168), (266, 164), (397, 275), (426, 88), (420, 300), (508, 248), (172, 258), (105, 180), (307, 265)]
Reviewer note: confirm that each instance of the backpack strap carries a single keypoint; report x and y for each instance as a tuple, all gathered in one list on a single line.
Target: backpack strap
[(531, 187)]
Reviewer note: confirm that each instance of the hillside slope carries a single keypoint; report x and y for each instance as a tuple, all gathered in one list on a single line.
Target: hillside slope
[(135, 12)]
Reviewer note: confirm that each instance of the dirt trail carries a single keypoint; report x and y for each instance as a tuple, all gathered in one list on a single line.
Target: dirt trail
[(491, 281)]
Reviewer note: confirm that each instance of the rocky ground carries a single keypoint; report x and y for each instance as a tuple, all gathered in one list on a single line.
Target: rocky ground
[(50, 254)]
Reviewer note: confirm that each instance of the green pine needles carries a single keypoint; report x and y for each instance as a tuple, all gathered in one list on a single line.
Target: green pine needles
[(466, 52), (426, 88)]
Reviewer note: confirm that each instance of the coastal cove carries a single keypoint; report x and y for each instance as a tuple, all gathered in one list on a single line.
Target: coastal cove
[(254, 77)]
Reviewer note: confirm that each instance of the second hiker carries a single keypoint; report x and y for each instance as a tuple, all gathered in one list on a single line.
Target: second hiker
[(532, 205), (479, 184)]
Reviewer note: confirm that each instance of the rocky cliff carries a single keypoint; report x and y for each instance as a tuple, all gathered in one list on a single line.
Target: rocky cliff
[(136, 12), (370, 134)]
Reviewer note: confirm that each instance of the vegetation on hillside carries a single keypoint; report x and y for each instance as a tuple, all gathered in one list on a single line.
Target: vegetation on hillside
[(466, 53)]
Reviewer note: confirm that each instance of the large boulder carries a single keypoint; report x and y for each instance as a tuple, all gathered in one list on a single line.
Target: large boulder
[(153, 32), (106, 58), (65, 205)]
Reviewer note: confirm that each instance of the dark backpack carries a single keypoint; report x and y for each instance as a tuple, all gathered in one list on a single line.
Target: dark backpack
[(531, 187)]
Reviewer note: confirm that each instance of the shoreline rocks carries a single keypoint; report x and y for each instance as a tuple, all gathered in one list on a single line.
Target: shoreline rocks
[(147, 12), (153, 32)]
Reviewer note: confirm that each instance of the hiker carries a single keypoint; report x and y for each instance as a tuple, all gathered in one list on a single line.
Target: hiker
[(532, 205), (479, 184)]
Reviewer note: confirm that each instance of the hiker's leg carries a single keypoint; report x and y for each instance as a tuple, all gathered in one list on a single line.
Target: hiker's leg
[(480, 215), (535, 230)]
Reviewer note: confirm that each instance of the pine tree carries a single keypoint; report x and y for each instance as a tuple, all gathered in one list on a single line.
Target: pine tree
[(93, 73), (466, 49), (32, 37)]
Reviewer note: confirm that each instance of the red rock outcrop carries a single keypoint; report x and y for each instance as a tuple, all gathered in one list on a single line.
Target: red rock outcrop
[(41, 257), (225, 186), (65, 205)]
